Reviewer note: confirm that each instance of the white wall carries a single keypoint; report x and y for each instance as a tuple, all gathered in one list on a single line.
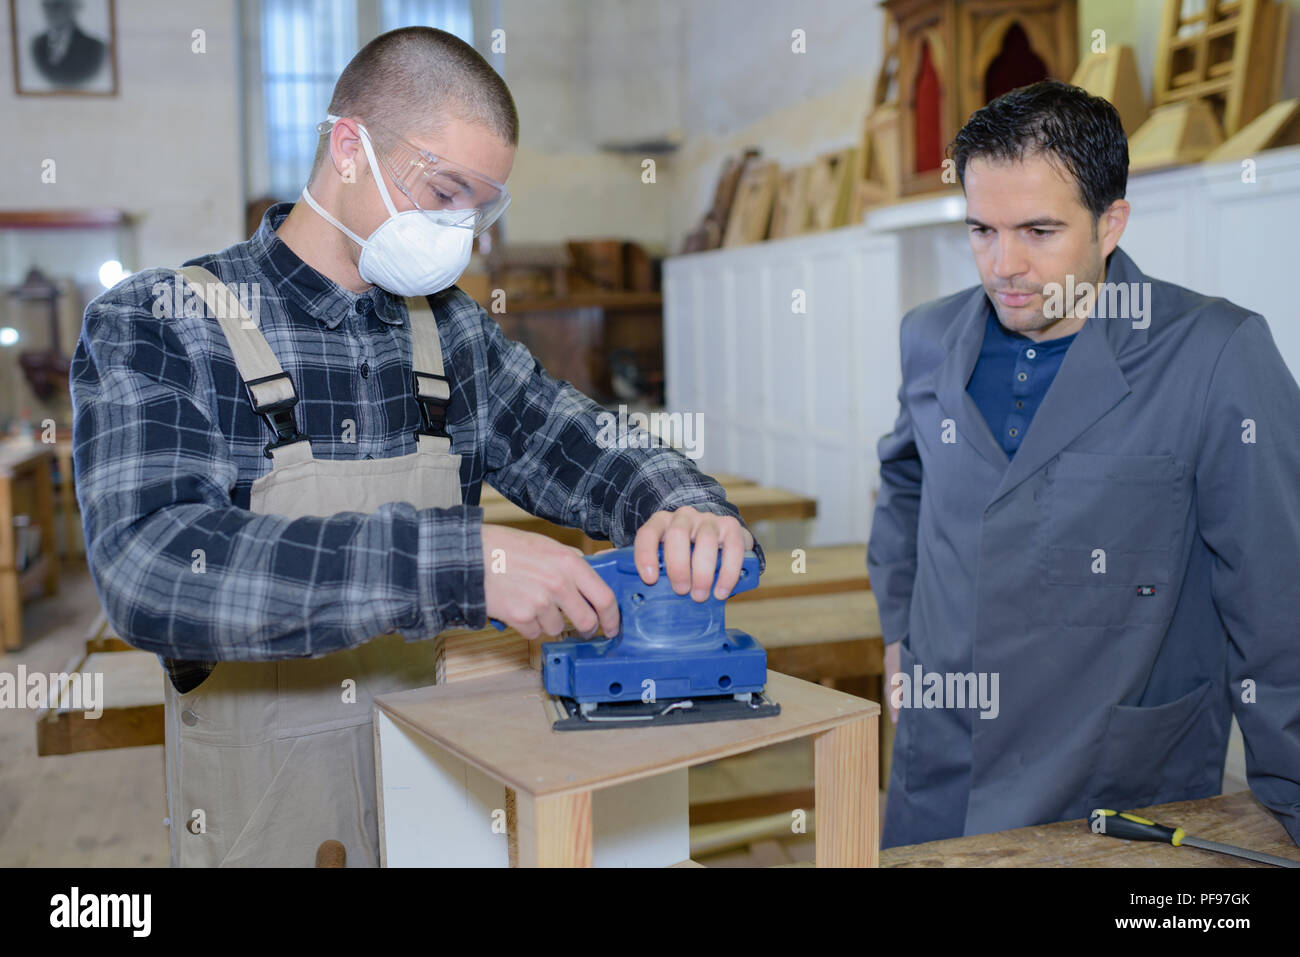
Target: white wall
[(799, 400), (583, 73), (719, 76), (166, 149)]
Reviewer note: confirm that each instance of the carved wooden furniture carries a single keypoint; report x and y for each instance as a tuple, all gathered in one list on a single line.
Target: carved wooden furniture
[(1227, 52), (954, 56)]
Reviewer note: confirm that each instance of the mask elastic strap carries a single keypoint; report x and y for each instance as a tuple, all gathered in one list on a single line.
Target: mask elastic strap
[(378, 173), (330, 219), (379, 179)]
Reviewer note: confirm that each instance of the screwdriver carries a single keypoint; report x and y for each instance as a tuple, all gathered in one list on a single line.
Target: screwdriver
[(1128, 826)]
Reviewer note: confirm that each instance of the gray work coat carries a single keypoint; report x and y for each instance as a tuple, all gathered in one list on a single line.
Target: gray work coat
[(1131, 575)]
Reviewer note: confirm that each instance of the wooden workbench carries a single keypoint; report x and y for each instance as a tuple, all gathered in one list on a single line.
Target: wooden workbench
[(756, 503), (495, 733), (727, 480), (1235, 818), (825, 569)]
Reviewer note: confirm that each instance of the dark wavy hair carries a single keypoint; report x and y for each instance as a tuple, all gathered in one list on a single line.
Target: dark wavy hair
[(1080, 131)]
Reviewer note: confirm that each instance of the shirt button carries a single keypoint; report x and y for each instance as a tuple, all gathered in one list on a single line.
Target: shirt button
[(365, 370), (189, 717), (1019, 404), (1022, 377), (360, 307), (1013, 432), (1030, 353), (369, 456)]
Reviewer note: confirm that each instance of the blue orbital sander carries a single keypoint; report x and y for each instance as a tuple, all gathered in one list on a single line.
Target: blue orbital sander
[(673, 661)]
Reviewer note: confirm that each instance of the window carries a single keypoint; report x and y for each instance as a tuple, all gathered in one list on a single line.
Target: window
[(305, 46), (454, 16)]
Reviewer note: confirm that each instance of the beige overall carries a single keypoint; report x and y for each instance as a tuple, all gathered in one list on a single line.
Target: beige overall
[(265, 760)]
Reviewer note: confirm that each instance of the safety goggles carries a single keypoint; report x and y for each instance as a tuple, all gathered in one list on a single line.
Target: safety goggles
[(434, 182)]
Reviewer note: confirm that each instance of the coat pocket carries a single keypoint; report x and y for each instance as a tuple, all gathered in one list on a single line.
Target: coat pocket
[(1153, 755), (1110, 538)]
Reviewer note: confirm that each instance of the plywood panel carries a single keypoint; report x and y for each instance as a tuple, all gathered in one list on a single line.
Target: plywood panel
[(501, 725)]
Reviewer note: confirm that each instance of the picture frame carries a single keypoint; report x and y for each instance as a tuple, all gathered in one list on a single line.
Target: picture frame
[(64, 47)]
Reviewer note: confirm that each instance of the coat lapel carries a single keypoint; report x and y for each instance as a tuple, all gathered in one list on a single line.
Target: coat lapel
[(1087, 386), (963, 340)]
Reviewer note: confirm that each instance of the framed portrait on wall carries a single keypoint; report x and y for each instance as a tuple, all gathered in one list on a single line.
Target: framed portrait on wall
[(64, 47)]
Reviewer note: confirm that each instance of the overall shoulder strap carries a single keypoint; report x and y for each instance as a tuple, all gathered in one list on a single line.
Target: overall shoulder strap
[(429, 382), (270, 390)]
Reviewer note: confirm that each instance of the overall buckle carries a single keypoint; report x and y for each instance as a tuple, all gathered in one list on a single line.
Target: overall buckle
[(433, 410), (278, 415)]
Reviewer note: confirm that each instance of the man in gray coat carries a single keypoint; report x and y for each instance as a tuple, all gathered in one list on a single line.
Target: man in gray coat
[(1086, 546)]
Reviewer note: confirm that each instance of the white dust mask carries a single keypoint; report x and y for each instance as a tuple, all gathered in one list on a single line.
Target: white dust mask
[(412, 253)]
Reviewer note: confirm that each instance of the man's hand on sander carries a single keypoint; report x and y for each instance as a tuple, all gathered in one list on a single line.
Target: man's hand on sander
[(692, 571), (532, 582)]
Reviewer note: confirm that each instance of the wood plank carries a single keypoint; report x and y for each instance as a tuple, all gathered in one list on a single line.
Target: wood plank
[(727, 480), (554, 830), (815, 636), (499, 724), (759, 503), (828, 569), (1236, 818), (107, 643), (100, 637), (808, 619), (767, 770), (756, 503), (1279, 125), (478, 654), (132, 708), (709, 839), (11, 605), (848, 826), (1175, 134), (831, 661), (750, 806), (83, 218)]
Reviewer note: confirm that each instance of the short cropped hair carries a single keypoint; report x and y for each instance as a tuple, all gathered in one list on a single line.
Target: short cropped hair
[(414, 79)]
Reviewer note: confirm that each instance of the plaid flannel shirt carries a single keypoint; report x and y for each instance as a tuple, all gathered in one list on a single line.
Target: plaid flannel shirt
[(167, 446)]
